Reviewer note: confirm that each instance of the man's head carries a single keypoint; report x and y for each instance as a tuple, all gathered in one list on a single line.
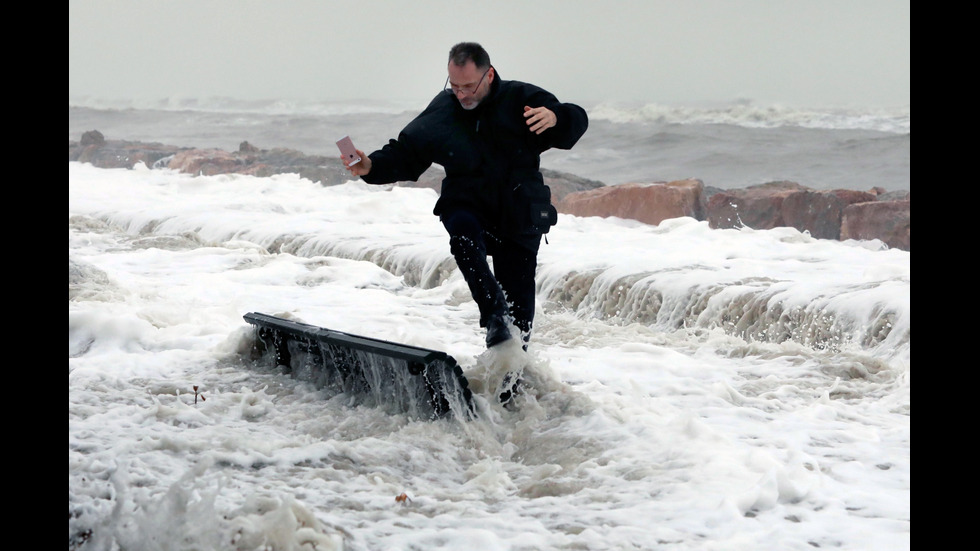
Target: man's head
[(470, 73)]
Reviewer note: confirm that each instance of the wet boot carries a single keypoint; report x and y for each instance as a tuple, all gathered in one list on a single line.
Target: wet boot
[(471, 258), (498, 330)]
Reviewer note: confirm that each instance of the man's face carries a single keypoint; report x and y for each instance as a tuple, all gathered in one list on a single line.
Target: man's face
[(470, 84)]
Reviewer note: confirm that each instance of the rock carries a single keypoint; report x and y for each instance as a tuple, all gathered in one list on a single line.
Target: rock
[(207, 162), (93, 137), (759, 207), (819, 212), (889, 221), (563, 183), (900, 195), (328, 171), (651, 203), (95, 149)]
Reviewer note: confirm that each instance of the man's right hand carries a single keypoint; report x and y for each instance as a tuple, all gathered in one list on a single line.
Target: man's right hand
[(360, 169)]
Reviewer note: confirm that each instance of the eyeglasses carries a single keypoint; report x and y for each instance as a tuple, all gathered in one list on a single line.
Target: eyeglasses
[(468, 89)]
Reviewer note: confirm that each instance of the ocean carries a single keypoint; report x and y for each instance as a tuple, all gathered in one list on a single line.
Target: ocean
[(688, 388)]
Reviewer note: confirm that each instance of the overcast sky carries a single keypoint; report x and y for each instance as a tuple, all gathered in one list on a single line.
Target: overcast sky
[(805, 53)]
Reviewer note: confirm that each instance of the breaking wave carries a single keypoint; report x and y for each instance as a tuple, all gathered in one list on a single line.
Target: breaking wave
[(755, 309)]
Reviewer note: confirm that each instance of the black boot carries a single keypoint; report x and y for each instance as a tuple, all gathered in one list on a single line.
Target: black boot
[(498, 330), (472, 262)]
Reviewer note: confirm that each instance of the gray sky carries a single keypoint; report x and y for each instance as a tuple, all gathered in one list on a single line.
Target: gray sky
[(805, 53)]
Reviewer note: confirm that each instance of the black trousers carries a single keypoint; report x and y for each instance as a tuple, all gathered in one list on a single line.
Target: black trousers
[(510, 287)]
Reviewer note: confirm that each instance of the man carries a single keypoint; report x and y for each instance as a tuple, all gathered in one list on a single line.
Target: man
[(488, 134)]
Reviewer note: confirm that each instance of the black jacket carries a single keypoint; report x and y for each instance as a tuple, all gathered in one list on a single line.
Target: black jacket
[(492, 160)]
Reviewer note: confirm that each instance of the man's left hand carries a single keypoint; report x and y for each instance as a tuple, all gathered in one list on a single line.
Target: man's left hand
[(539, 119)]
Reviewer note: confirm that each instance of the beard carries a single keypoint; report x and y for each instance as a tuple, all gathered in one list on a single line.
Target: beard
[(469, 104)]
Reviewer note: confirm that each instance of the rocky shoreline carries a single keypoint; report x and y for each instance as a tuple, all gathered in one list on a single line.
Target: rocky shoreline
[(824, 214)]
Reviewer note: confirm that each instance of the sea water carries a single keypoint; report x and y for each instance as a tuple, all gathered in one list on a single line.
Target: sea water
[(686, 388)]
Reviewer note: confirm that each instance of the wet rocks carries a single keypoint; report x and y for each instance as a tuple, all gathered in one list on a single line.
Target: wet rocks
[(890, 221), (824, 214), (651, 203), (93, 148)]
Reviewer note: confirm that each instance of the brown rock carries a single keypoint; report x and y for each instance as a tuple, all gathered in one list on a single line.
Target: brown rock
[(96, 150), (759, 207), (889, 221), (898, 195), (819, 212), (563, 183), (651, 203), (207, 162), (93, 137)]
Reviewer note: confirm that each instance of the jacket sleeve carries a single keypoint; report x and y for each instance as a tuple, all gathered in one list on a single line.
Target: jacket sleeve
[(398, 161), (406, 158), (572, 124), (572, 121)]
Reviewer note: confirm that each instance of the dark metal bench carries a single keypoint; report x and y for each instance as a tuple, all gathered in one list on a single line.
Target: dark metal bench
[(400, 378)]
